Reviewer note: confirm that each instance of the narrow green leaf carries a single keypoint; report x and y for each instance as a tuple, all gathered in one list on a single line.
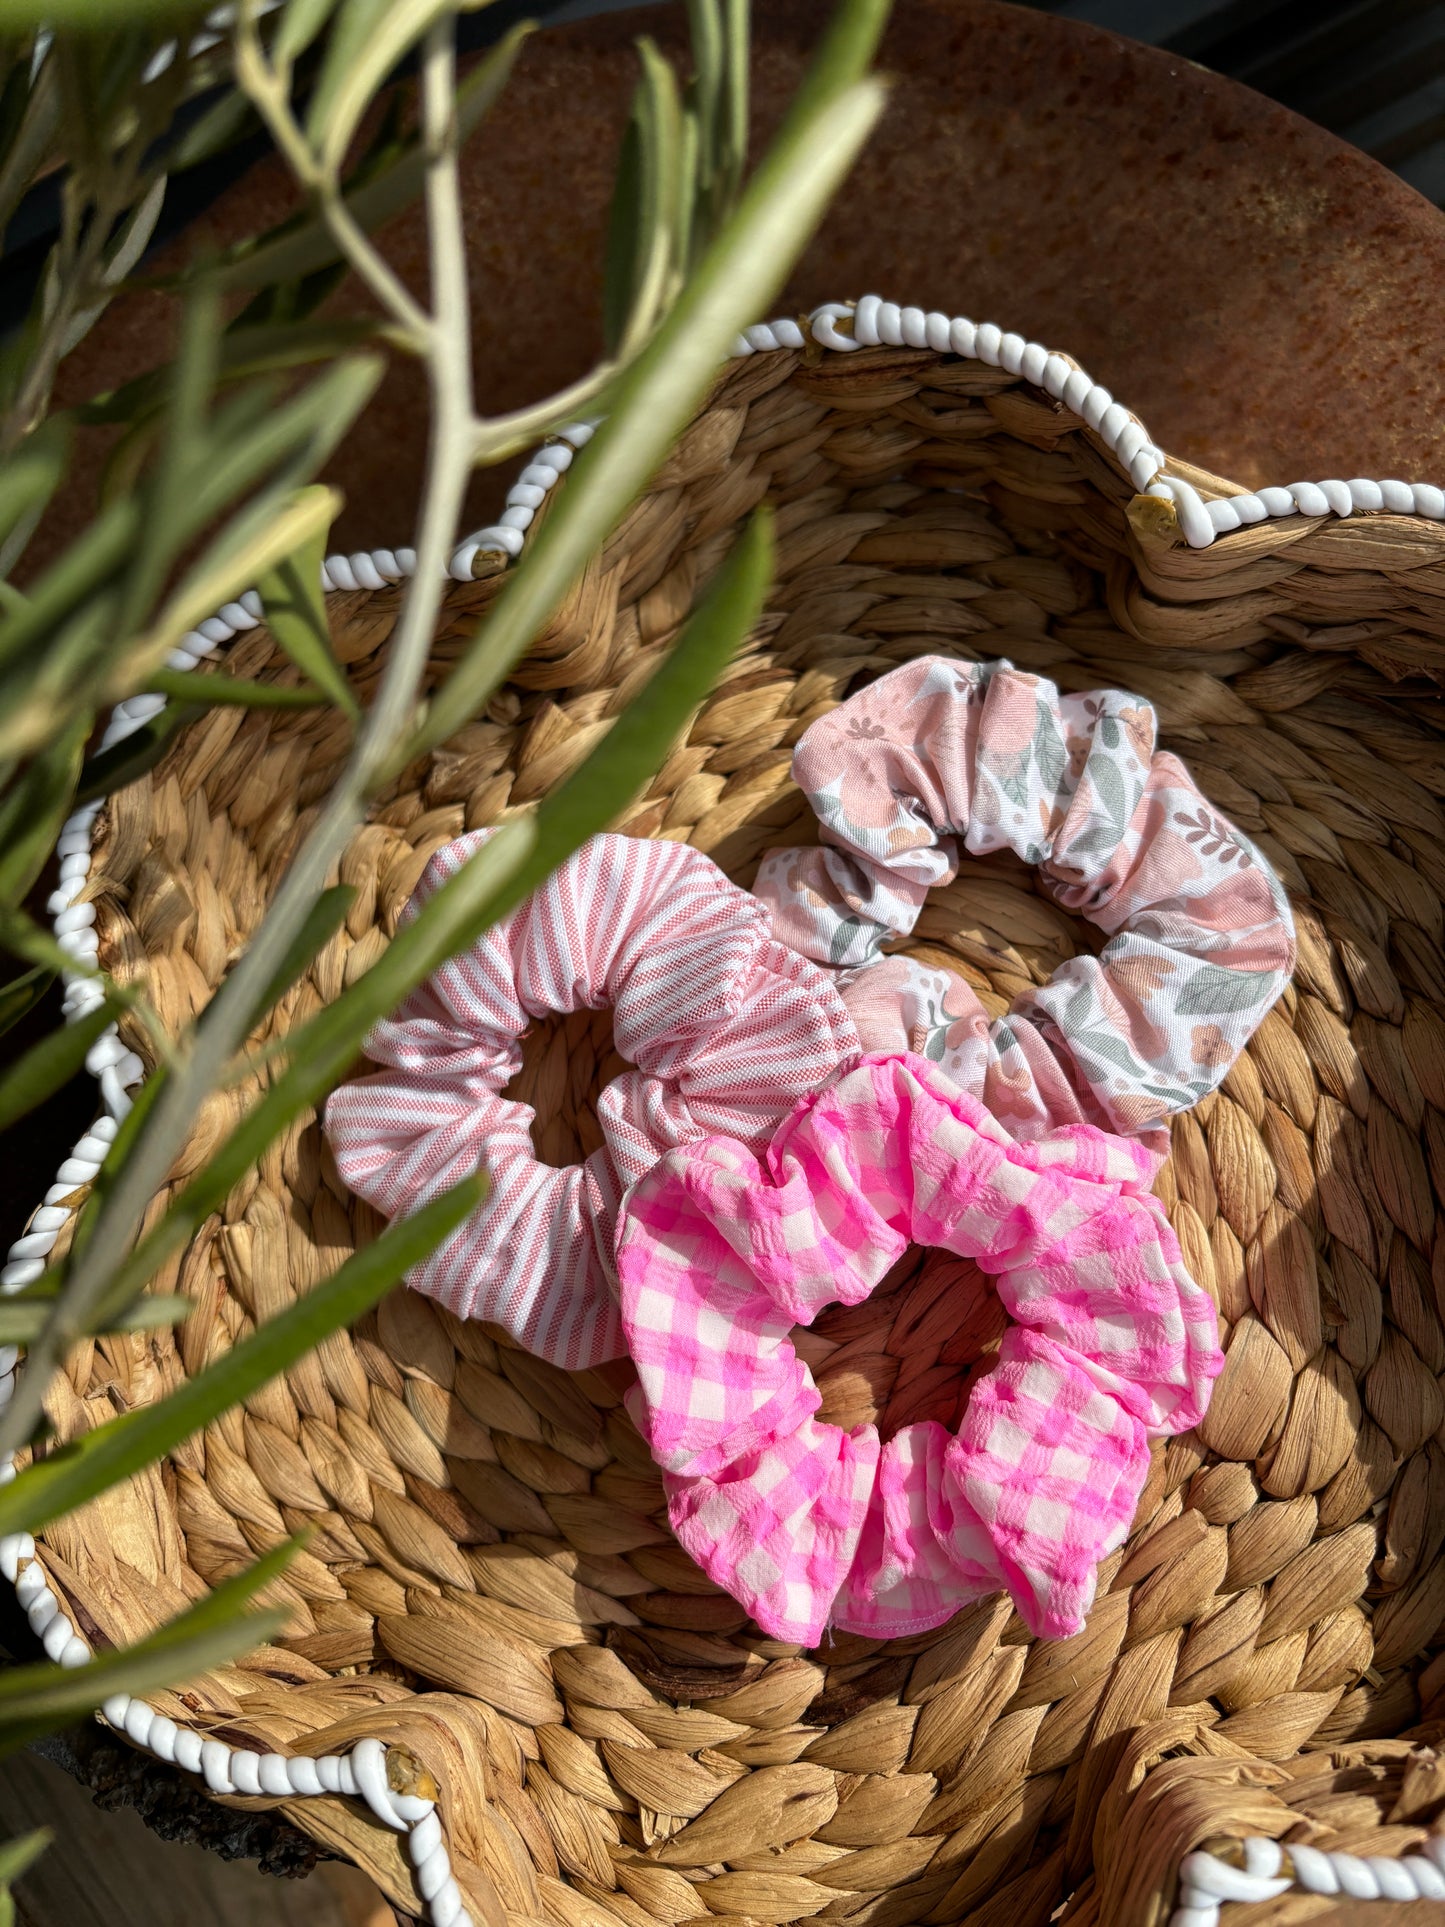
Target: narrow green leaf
[(93, 557), (22, 993), (31, 475), (49, 1064), (93, 16), (33, 810), (15, 1857), (188, 685), (401, 25), (92, 1463), (356, 26), (301, 248), (302, 21), (23, 1317), (621, 272), (295, 609), (322, 921), (111, 769)]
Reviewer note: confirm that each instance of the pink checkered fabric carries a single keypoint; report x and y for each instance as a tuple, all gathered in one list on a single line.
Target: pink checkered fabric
[(720, 1253), (726, 1028)]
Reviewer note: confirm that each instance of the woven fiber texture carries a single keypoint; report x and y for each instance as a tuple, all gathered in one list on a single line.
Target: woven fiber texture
[(492, 1585)]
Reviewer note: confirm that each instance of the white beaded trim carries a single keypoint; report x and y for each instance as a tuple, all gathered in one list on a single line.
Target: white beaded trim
[(1205, 1881)]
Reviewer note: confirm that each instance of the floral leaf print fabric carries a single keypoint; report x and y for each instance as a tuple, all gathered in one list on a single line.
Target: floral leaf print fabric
[(720, 1253), (725, 1028), (941, 756)]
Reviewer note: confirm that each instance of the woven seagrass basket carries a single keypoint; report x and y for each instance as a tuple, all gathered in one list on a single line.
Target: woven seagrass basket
[(491, 1589)]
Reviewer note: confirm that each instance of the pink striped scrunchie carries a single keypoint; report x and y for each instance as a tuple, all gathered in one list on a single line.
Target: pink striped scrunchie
[(1112, 1342), (727, 1029)]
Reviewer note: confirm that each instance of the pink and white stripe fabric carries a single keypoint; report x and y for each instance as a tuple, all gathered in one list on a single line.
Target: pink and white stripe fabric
[(726, 1027), (720, 1253), (940, 756)]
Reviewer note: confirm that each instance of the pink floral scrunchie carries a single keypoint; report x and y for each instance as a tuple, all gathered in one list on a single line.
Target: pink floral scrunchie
[(726, 1028), (720, 1252), (941, 755)]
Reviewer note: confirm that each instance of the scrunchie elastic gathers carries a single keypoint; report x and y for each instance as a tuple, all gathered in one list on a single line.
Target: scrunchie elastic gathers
[(940, 754), (719, 1253), (726, 1027)]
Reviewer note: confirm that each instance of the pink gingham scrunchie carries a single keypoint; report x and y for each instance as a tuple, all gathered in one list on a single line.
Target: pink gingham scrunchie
[(1112, 1343), (940, 756), (726, 1028)]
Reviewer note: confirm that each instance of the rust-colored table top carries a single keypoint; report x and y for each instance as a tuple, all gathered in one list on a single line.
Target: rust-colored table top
[(1271, 301)]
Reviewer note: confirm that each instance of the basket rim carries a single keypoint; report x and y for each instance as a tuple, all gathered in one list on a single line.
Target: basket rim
[(1202, 506)]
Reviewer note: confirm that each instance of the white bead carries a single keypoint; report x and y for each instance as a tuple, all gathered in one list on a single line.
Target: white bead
[(1309, 499), (1394, 1882), (140, 708), (115, 1709), (424, 1838), (936, 327), (138, 1722), (556, 455), (75, 1652), (1130, 439), (387, 565), (578, 433), (865, 321), (215, 630), (338, 567), (48, 1218), (328, 1772), (787, 333), (188, 1750), (1077, 390), (516, 518), (1356, 1876), (1145, 465), (1223, 514), (163, 1737), (237, 616), (57, 1636), (1011, 353), (432, 1875), (446, 1907), (35, 1244), (20, 1272), (216, 1766), (303, 1775), (986, 343), (251, 602), (1428, 1879), (963, 337), (410, 1807), (406, 561), (1032, 363), (1429, 501), (1398, 497), (537, 475), (77, 864), (913, 326), (890, 324), (79, 916), (1055, 376), (1365, 494), (1097, 404), (73, 843), (1278, 501), (246, 1771)]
